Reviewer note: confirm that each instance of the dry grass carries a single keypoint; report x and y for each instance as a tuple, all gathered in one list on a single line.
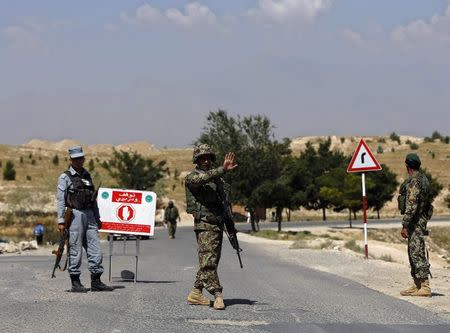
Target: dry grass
[(284, 235), (40, 190), (351, 245)]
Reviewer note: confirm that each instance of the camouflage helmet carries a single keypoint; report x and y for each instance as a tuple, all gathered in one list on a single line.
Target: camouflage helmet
[(203, 149)]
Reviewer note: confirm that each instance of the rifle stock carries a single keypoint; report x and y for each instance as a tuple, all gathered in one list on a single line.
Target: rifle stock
[(63, 241)]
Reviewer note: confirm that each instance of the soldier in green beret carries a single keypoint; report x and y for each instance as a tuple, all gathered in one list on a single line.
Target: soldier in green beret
[(414, 203)]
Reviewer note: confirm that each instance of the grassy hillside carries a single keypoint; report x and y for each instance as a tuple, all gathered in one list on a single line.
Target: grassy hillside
[(33, 192)]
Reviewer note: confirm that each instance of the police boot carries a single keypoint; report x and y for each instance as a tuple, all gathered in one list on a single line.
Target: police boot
[(218, 301), (196, 297), (424, 289), (415, 287), (98, 285), (77, 287)]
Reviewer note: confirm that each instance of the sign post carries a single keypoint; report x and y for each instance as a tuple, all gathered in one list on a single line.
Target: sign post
[(363, 160)]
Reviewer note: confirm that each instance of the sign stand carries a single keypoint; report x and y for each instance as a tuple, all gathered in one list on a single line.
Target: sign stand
[(123, 253), (363, 160), (366, 246)]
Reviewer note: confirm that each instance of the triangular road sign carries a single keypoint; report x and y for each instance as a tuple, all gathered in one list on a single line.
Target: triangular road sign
[(363, 159)]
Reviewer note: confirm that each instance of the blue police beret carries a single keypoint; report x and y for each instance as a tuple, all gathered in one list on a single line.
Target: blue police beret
[(76, 152)]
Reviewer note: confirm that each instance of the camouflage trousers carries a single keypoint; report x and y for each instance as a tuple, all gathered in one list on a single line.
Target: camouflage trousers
[(420, 268), (171, 227), (209, 251)]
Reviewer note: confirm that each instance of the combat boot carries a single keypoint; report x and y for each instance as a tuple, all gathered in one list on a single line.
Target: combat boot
[(196, 297), (77, 287), (424, 290), (98, 285), (218, 301), (415, 287)]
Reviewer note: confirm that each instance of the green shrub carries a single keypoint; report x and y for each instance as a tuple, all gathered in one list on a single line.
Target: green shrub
[(387, 257), (413, 146), (381, 140), (55, 160), (28, 177), (380, 150), (342, 139), (408, 142), (351, 245), (9, 173), (395, 137), (91, 165), (33, 162), (428, 139)]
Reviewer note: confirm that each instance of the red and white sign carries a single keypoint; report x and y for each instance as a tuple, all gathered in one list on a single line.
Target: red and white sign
[(363, 159), (127, 211)]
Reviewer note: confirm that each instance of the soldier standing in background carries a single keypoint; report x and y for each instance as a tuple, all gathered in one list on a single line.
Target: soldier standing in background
[(414, 202), (76, 190), (204, 188), (171, 216)]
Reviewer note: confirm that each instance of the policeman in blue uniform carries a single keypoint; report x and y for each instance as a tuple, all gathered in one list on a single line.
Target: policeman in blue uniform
[(76, 190)]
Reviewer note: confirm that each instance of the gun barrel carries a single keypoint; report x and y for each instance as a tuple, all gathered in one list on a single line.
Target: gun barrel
[(240, 260)]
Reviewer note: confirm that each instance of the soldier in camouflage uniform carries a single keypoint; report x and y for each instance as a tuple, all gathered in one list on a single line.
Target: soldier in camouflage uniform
[(414, 202), (204, 188), (171, 216)]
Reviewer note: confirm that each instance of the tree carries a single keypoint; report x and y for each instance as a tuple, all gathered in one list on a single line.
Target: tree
[(272, 194), (436, 135), (132, 171), (435, 186), (259, 156), (384, 186), (342, 190), (9, 173), (55, 160), (317, 163)]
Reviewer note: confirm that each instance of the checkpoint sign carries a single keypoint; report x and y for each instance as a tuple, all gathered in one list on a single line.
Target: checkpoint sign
[(363, 159), (127, 211)]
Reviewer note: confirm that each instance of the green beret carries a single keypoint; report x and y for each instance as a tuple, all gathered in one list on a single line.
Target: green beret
[(413, 161)]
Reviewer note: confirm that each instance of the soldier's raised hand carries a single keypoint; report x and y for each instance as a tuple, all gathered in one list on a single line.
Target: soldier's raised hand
[(229, 162)]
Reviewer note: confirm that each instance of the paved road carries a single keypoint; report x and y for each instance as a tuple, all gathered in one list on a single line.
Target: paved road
[(266, 296)]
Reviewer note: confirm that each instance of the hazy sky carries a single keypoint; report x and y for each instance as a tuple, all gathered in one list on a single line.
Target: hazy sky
[(118, 71)]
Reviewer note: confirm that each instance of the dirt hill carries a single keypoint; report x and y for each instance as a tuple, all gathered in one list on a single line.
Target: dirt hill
[(34, 187)]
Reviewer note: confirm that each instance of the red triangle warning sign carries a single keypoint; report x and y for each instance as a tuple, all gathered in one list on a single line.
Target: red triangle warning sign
[(363, 159)]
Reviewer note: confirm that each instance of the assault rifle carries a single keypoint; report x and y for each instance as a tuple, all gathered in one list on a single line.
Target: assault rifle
[(230, 230), (63, 241)]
